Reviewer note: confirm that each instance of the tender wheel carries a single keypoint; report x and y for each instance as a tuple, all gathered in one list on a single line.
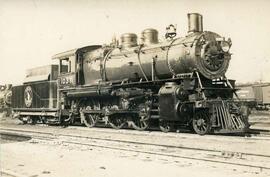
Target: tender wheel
[(90, 120), (201, 123), (165, 126), (32, 120), (43, 119), (28, 120), (24, 121), (117, 122)]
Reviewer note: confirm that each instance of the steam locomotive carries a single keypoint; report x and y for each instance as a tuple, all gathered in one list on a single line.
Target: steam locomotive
[(177, 82)]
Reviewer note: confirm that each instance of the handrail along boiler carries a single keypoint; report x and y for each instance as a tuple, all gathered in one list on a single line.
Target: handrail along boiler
[(179, 81)]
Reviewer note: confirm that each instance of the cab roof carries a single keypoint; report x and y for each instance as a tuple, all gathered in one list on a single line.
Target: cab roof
[(73, 52)]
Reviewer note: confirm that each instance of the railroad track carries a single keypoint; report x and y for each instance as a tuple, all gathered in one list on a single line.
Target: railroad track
[(259, 132), (257, 162), (10, 173)]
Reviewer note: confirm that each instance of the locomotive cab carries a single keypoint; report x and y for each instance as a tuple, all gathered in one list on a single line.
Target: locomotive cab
[(67, 69), (71, 66)]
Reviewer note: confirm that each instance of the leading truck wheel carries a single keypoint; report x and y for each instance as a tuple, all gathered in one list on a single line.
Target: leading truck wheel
[(201, 123)]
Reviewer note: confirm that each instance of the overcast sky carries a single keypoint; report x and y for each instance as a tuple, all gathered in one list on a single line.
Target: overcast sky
[(31, 31)]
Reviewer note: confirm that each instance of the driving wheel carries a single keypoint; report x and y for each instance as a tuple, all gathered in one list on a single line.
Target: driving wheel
[(117, 121), (90, 120)]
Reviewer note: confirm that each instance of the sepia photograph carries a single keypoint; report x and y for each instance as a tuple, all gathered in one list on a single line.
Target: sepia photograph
[(134, 88)]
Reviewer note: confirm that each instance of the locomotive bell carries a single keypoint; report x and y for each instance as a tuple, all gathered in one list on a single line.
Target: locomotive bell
[(195, 22), (150, 36), (128, 40)]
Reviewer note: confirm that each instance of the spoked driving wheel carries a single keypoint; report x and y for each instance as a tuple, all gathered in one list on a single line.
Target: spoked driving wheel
[(90, 120), (165, 126), (201, 123), (117, 121)]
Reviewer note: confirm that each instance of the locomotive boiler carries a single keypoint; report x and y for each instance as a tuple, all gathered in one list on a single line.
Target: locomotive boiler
[(179, 81), (203, 51)]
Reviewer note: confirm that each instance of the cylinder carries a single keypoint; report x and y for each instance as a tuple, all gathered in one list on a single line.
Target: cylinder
[(150, 36), (128, 40), (195, 22)]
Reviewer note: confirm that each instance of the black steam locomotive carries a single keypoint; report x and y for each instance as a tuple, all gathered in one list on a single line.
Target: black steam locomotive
[(176, 82)]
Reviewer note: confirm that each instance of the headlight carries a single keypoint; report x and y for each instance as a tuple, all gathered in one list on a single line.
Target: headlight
[(225, 46)]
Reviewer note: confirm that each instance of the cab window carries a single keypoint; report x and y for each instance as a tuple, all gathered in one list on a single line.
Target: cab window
[(65, 66)]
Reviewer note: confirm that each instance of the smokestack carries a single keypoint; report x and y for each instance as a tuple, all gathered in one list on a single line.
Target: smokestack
[(195, 23)]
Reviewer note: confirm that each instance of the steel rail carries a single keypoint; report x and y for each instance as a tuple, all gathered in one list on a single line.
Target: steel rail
[(57, 135), (11, 173), (170, 155), (125, 141)]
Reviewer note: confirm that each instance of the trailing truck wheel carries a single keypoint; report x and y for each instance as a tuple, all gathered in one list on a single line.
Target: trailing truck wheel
[(201, 123), (165, 126), (90, 120), (140, 124), (141, 121)]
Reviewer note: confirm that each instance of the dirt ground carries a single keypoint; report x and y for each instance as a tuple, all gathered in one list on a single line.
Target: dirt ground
[(38, 159), (44, 159)]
